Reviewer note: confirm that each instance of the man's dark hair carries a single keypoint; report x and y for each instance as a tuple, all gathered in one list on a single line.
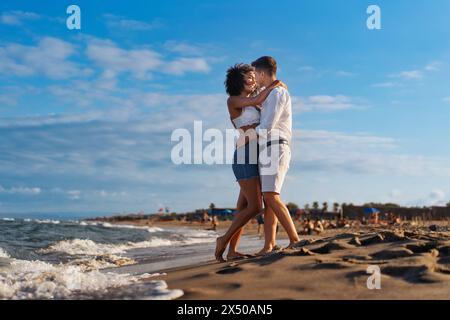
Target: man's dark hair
[(267, 64), (235, 81)]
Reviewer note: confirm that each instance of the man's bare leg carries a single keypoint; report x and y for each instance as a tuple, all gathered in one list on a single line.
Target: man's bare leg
[(270, 228), (273, 201)]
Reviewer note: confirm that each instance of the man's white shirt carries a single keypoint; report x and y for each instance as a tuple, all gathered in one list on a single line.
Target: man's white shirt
[(276, 116)]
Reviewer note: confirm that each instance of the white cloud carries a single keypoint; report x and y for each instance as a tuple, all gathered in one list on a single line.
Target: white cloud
[(52, 119), (21, 190), (134, 154), (74, 194), (110, 194), (343, 73), (418, 73), (395, 194), (8, 99), (17, 18), (139, 62), (184, 65), (109, 56), (413, 74), (387, 85), (324, 103), (437, 194), (310, 71), (332, 152), (49, 57), (433, 66), (436, 197), (306, 68), (183, 48), (447, 99), (118, 22)]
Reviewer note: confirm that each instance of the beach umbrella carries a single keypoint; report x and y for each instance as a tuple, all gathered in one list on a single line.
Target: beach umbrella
[(371, 210)]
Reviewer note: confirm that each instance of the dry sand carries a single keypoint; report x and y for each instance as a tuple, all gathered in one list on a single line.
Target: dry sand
[(414, 264)]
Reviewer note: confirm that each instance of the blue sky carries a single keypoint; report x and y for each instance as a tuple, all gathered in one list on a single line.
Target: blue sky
[(86, 115)]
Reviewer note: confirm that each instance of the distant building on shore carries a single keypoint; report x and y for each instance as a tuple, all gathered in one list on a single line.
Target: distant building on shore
[(223, 213), (426, 213)]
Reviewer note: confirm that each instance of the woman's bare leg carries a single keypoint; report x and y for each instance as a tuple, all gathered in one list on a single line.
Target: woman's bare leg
[(252, 192), (234, 242)]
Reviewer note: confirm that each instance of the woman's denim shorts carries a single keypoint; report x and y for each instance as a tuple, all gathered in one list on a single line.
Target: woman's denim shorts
[(245, 162)]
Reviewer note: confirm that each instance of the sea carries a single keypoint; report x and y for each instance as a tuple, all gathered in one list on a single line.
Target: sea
[(80, 259)]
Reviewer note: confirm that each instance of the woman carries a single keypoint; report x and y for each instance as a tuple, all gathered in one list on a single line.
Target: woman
[(243, 107)]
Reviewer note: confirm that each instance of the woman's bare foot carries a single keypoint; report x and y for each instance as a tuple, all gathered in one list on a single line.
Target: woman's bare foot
[(264, 251), (236, 255), (220, 249)]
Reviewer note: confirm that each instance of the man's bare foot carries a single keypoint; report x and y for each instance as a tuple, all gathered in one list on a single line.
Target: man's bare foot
[(220, 249), (264, 251), (296, 244)]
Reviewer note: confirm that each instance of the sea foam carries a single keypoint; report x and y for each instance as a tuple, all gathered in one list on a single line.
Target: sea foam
[(89, 247), (40, 280), (3, 253)]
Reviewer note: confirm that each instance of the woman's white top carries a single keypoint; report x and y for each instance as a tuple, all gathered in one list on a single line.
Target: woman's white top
[(249, 116)]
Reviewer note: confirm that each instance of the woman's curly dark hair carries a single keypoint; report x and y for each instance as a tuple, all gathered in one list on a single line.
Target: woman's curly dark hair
[(235, 81)]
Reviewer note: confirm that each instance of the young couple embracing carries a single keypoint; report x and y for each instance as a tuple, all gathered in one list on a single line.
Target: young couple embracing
[(260, 108)]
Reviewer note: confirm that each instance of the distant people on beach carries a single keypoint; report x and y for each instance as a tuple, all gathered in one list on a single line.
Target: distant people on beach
[(260, 220), (205, 217), (374, 218), (298, 214), (318, 226), (311, 227), (214, 223), (394, 219), (343, 223)]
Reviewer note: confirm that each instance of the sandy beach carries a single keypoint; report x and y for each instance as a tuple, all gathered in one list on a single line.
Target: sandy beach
[(414, 263)]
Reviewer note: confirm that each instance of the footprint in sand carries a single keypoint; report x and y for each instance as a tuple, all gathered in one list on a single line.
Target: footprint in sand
[(332, 246), (384, 236), (367, 240), (392, 253), (421, 247), (229, 270), (331, 265), (211, 291)]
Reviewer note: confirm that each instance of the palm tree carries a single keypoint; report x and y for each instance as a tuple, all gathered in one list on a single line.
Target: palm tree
[(315, 205), (324, 207), (307, 206), (212, 206), (292, 208), (335, 207)]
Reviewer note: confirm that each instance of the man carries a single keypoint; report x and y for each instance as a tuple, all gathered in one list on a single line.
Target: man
[(275, 132)]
